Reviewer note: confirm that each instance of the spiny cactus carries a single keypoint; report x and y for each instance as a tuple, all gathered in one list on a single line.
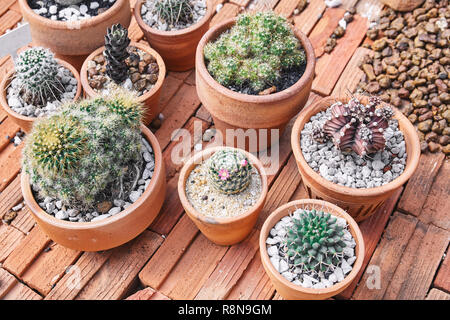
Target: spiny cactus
[(229, 171), (67, 3), (86, 149), (37, 69), (254, 51), (358, 127), (315, 241), (116, 44), (174, 11)]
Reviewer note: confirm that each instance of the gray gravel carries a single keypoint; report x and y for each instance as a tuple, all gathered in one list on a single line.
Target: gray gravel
[(351, 170)]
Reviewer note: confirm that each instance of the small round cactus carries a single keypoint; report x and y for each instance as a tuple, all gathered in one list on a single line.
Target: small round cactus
[(229, 171), (83, 153), (37, 69), (315, 241)]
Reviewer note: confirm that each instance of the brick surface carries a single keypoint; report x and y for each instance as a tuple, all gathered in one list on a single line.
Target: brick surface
[(436, 294), (442, 280), (9, 240), (9, 164)]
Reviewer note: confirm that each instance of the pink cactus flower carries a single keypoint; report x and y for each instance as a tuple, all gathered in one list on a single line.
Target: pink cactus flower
[(244, 162), (224, 174)]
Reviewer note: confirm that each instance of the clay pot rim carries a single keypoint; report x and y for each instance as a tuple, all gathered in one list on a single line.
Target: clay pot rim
[(411, 164), (85, 23), (161, 75), (8, 78), (204, 155), (216, 31), (174, 33), (63, 224), (273, 219)]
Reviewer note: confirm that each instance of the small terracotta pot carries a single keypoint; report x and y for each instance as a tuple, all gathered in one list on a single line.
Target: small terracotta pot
[(69, 40), (24, 122), (233, 110), (112, 231), (287, 289), (359, 203), (403, 5), (176, 47), (149, 99), (222, 230)]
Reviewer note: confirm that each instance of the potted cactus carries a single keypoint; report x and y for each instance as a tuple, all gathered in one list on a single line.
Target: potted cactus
[(354, 152), (260, 68), (72, 29), (174, 28), (311, 249), (122, 63), (37, 86), (93, 176), (223, 190)]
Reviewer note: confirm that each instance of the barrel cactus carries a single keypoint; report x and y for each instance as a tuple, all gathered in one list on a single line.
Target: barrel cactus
[(229, 171), (87, 151), (116, 44), (315, 241), (254, 51), (36, 69), (357, 127)]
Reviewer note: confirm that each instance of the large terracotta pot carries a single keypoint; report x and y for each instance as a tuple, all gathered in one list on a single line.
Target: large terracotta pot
[(222, 230), (287, 289), (112, 231), (359, 203), (24, 122), (150, 100), (73, 41), (403, 5), (176, 47), (233, 110)]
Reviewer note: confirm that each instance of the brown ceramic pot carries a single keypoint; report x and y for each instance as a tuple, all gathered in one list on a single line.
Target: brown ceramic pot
[(70, 40), (176, 47), (112, 231), (222, 230), (24, 122), (359, 203), (233, 110), (403, 5), (287, 289), (150, 100)]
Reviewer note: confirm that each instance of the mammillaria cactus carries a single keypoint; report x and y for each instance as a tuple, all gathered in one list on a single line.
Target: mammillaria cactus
[(37, 69), (358, 127), (86, 149), (315, 241), (174, 11), (229, 171), (116, 44), (254, 51)]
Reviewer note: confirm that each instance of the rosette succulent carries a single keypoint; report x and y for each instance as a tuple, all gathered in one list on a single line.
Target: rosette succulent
[(356, 127), (116, 44), (229, 171), (315, 241)]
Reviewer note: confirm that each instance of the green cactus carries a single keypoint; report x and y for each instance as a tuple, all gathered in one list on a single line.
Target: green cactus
[(229, 171), (174, 11), (254, 52), (37, 69), (315, 241), (85, 149), (116, 44)]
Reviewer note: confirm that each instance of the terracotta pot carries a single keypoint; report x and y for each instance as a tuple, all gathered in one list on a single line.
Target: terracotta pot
[(359, 203), (24, 122), (403, 5), (68, 40), (149, 99), (287, 289), (233, 110), (176, 47), (222, 230), (112, 231)]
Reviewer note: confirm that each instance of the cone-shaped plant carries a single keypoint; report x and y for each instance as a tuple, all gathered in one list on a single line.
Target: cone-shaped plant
[(86, 149), (174, 11), (229, 171), (116, 44), (358, 127), (37, 69), (315, 241)]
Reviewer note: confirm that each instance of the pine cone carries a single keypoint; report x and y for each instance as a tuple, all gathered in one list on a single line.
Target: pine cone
[(116, 43)]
